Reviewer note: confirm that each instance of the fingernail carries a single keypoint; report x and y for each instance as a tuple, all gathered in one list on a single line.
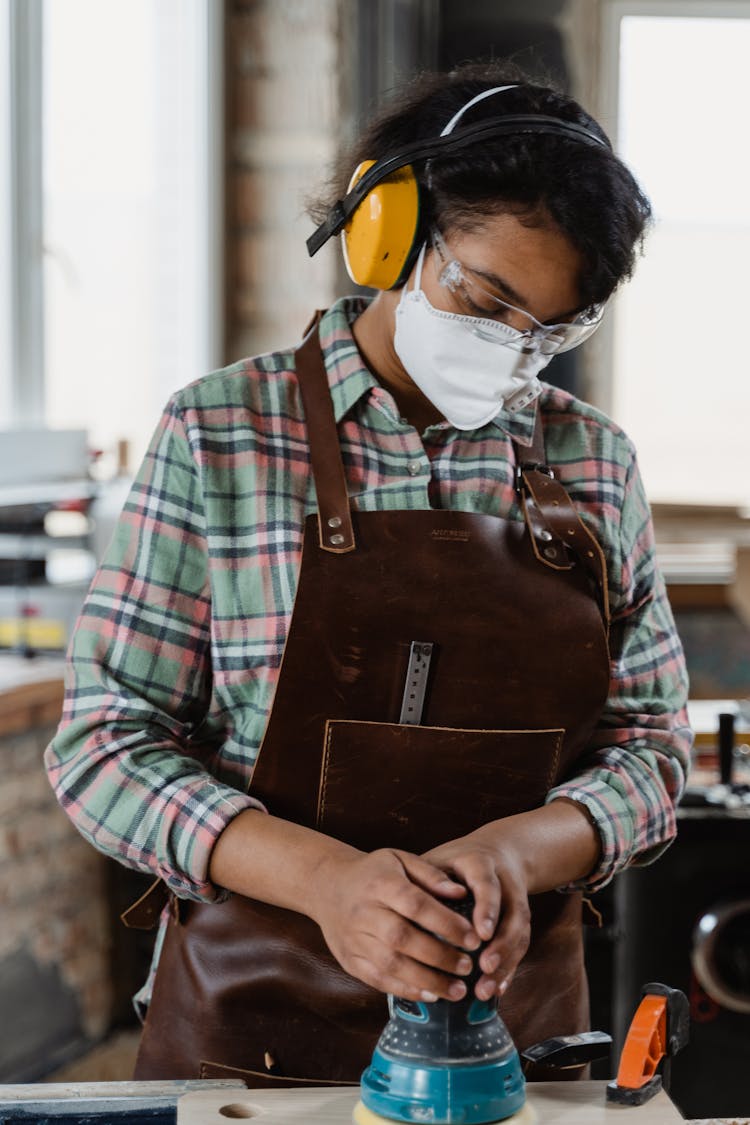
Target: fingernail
[(491, 963), (429, 997), (465, 965), (502, 988), (487, 928), (457, 991), (448, 885), (471, 941), (486, 990)]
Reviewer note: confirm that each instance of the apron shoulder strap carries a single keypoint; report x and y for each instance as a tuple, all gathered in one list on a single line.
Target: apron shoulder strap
[(335, 531), (558, 534)]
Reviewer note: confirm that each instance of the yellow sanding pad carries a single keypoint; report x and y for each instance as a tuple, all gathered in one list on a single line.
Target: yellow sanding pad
[(527, 1115)]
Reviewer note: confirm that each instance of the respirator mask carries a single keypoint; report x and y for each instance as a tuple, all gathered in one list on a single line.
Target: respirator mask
[(472, 366)]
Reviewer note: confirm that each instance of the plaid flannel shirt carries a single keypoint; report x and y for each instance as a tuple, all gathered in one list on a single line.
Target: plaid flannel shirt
[(174, 661)]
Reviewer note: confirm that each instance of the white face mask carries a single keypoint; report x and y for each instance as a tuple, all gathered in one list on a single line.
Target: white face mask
[(468, 367)]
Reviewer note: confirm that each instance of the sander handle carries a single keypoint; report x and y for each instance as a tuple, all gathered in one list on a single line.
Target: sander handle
[(563, 1051)]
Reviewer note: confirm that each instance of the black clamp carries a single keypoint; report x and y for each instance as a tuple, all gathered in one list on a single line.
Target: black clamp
[(563, 1051)]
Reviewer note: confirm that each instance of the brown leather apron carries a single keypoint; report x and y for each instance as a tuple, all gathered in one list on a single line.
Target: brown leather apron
[(515, 613)]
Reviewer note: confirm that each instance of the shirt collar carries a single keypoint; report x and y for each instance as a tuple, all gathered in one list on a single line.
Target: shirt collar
[(518, 426), (349, 378)]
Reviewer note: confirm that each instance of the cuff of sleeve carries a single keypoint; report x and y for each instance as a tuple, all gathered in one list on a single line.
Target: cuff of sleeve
[(205, 810), (612, 819)]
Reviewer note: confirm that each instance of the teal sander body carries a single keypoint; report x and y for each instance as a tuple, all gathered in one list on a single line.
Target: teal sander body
[(451, 1061)]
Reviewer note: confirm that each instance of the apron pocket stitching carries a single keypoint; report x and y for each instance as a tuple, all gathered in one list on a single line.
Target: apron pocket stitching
[(552, 772)]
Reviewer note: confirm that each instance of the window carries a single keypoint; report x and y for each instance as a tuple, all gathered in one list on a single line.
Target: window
[(6, 285), (128, 176), (678, 103)]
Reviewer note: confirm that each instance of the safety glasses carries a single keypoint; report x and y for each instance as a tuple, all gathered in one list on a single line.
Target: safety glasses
[(478, 301)]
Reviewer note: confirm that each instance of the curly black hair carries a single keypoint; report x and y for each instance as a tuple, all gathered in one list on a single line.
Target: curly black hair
[(585, 189)]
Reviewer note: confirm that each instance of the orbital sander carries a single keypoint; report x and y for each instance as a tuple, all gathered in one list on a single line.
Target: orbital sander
[(446, 1062)]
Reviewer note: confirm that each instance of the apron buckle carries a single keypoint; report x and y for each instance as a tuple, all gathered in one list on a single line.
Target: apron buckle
[(531, 466)]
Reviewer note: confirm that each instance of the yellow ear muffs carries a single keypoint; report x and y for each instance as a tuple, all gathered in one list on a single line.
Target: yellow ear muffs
[(380, 235)]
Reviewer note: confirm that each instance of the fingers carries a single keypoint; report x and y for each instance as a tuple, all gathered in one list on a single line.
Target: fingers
[(386, 926), (405, 942), (504, 953), (392, 971), (396, 935), (478, 870), (419, 905), (501, 915), (430, 877)]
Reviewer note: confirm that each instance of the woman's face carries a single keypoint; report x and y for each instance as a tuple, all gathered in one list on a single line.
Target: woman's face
[(533, 268)]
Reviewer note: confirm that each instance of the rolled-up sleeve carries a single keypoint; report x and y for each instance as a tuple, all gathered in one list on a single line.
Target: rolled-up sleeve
[(633, 773), (127, 762)]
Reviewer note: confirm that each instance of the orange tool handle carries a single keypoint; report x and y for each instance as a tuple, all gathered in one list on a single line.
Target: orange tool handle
[(645, 1045)]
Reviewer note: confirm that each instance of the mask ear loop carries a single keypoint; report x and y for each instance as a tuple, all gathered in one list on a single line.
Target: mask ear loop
[(418, 271), (417, 275)]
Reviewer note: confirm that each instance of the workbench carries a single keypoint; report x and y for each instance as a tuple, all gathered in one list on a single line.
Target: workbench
[(217, 1103), (548, 1103)]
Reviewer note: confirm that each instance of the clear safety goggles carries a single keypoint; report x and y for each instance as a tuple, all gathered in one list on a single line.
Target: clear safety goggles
[(532, 335)]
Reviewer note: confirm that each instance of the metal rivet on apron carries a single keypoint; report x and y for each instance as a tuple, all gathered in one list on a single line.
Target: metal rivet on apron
[(337, 540), (334, 521), (550, 552), (545, 535)]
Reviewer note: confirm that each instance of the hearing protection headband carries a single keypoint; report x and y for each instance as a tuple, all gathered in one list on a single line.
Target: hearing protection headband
[(467, 137)]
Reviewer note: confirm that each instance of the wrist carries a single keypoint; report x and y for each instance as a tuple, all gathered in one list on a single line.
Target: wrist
[(276, 861), (326, 875), (505, 839), (554, 845)]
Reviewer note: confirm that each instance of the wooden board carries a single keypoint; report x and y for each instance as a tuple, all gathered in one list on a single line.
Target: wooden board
[(103, 1103), (550, 1103)]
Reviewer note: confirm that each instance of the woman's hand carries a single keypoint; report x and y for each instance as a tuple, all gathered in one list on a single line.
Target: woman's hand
[(384, 924), (503, 863), (492, 867), (380, 912)]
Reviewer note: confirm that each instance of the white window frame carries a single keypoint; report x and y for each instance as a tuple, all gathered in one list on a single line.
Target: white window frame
[(599, 373), (678, 524), (6, 318), (26, 262), (25, 348), (613, 12)]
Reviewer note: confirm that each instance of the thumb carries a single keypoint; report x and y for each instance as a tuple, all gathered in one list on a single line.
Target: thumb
[(431, 878)]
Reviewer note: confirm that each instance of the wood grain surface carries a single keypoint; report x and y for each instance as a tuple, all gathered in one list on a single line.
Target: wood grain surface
[(549, 1103)]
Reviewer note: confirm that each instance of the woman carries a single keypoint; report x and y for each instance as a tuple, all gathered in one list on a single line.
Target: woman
[(481, 685)]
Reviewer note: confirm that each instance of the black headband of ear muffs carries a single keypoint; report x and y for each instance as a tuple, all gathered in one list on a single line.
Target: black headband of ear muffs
[(472, 135)]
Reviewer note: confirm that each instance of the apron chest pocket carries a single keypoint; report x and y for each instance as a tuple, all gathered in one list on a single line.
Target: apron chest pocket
[(418, 786)]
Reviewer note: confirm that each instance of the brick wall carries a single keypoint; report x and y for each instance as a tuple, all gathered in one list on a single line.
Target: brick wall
[(284, 121), (55, 991)]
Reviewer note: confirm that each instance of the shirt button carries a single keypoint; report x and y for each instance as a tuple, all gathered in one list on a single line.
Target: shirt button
[(414, 468)]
